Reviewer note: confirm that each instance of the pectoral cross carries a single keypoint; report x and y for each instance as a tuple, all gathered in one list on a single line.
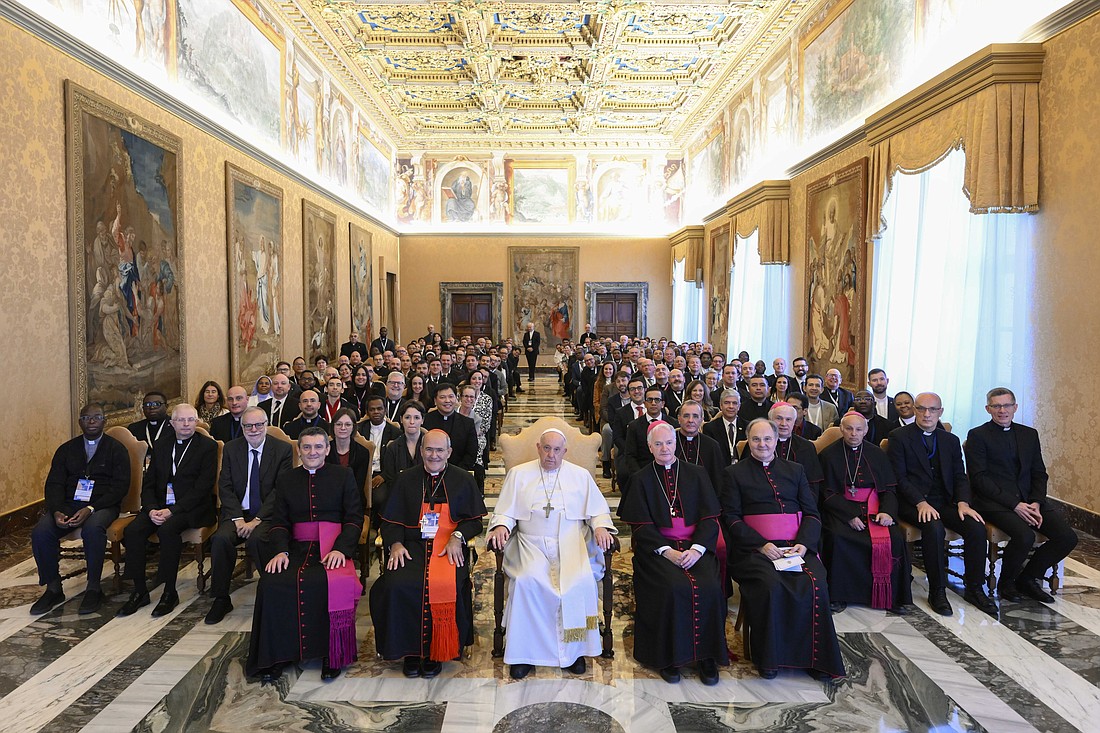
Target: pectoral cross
[(548, 508)]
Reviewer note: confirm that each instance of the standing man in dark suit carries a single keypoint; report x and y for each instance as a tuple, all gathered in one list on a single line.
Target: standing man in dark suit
[(531, 341), (353, 344), (228, 426), (88, 480), (840, 397), (176, 494), (383, 343), (884, 403), (281, 408), (728, 429), (588, 334), (1009, 478), (250, 466), (460, 428), (934, 494)]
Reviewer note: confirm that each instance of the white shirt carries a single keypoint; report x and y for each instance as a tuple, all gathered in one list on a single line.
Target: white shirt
[(376, 438), (882, 407), (248, 475)]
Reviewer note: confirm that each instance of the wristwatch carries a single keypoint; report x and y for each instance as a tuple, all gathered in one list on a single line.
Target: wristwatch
[(460, 537)]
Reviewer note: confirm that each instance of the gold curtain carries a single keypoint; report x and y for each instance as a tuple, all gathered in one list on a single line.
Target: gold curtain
[(687, 244), (989, 106), (766, 207)]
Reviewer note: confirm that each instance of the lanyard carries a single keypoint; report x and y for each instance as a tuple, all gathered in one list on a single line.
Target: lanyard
[(435, 482), (175, 463), (148, 438)]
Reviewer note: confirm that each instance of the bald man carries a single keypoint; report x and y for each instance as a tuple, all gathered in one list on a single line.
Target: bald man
[(282, 407), (865, 548), (227, 427), (553, 525)]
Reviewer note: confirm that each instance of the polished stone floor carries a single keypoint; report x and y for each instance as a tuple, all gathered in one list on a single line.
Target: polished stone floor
[(1037, 668)]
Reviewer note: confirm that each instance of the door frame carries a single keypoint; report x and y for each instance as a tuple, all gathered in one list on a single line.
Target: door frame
[(494, 289), (639, 289)]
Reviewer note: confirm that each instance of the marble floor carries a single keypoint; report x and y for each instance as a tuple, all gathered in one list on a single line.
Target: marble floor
[(1037, 668)]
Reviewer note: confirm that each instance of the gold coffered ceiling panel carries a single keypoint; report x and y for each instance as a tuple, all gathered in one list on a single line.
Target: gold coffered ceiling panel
[(597, 74)]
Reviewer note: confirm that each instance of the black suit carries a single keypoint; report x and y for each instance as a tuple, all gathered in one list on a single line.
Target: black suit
[(109, 468), (287, 411), (226, 428), (359, 461), (383, 344), (295, 427), (149, 434), (389, 432), (892, 416), (190, 469), (395, 459), (586, 336), (673, 400), (275, 458), (750, 409), (635, 453), (619, 420), (808, 430), (842, 398), (878, 429), (531, 342), (463, 436), (348, 347), (716, 429), (930, 468), (1006, 468)]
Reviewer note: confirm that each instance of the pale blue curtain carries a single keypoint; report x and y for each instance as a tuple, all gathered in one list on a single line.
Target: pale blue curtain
[(687, 306), (951, 295), (759, 304)]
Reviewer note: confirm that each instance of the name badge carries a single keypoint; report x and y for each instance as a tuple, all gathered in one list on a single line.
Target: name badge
[(83, 489), (429, 525), (170, 496)]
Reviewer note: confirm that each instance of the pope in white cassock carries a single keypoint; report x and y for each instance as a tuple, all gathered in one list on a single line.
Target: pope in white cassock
[(553, 524)]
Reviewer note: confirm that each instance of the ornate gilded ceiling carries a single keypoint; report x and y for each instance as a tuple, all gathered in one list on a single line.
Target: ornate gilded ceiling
[(477, 74)]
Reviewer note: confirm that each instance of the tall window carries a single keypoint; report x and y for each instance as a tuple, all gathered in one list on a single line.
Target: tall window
[(759, 305), (951, 295), (687, 306)]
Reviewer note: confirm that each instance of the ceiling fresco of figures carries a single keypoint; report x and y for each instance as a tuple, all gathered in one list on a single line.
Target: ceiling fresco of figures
[(464, 74)]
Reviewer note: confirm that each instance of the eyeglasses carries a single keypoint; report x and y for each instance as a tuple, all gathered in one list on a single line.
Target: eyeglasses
[(185, 420), (154, 403), (1005, 406), (92, 418), (927, 410), (254, 425), (654, 399)]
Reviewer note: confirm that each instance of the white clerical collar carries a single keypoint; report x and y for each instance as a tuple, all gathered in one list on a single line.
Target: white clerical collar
[(926, 432), (434, 474), (93, 442), (669, 466), (311, 471), (689, 437), (908, 420)]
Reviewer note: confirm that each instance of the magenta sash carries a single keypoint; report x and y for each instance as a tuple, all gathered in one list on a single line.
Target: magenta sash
[(882, 557), (682, 532), (344, 590), (775, 527)]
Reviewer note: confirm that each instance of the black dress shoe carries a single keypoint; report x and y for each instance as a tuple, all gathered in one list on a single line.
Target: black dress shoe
[(577, 667), (975, 596), (429, 668), (46, 601), (937, 599), (519, 671), (166, 604), (1030, 587), (1008, 593), (838, 606), (411, 667), (670, 675), (900, 609), (606, 470), (93, 599), (218, 610), (137, 599), (708, 672), (329, 673), (769, 674), (270, 675)]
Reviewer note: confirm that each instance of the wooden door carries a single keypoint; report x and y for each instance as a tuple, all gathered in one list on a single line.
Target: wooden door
[(472, 315), (616, 314)]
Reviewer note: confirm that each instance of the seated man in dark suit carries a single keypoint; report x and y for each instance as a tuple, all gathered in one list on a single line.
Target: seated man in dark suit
[(250, 466), (280, 409), (176, 494), (934, 494), (309, 405), (228, 426), (636, 448), (88, 480), (460, 428), (836, 394), (728, 428), (1009, 479), (377, 429), (155, 425)]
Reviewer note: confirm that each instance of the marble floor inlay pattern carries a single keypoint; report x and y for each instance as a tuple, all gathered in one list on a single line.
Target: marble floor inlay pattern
[(1036, 668)]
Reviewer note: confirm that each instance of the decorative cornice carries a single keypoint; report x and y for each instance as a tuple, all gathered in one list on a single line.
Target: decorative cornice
[(758, 194), (838, 146), (1060, 20), (998, 63), (36, 25), (690, 233)]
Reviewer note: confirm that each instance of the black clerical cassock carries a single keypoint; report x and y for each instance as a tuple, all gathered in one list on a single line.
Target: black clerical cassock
[(803, 452), (787, 611), (680, 615), (306, 611), (416, 608), (868, 566)]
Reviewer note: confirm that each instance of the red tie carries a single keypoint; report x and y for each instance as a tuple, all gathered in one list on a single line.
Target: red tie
[(638, 409)]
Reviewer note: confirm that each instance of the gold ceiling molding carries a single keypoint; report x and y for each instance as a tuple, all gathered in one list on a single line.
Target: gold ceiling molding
[(765, 206), (542, 75)]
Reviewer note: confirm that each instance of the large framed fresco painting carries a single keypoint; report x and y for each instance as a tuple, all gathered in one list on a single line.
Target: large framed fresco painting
[(850, 60), (836, 278), (319, 281), (362, 283), (254, 232), (543, 284), (126, 307), (540, 192)]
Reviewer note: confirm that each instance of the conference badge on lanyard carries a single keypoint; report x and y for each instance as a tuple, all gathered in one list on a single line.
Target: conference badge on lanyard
[(429, 525), (83, 489), (170, 496)]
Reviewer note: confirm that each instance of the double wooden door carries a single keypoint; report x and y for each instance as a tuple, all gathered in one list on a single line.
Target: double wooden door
[(616, 314), (472, 315)]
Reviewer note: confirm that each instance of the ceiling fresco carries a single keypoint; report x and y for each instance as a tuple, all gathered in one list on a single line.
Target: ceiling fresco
[(472, 74)]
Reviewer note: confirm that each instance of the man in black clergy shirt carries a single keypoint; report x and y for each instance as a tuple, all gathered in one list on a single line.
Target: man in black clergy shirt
[(934, 495), (1009, 479), (757, 404), (838, 395), (88, 479), (154, 408), (422, 606), (309, 405), (176, 494), (250, 467), (227, 427), (457, 426)]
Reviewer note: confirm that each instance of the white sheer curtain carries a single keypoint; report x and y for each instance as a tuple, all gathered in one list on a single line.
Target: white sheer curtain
[(951, 294), (759, 304), (687, 306)]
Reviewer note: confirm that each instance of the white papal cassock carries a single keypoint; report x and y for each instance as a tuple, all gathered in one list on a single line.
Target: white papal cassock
[(552, 562)]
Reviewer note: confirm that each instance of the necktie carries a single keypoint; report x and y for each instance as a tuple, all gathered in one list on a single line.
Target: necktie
[(254, 483), (637, 411), (275, 413)]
